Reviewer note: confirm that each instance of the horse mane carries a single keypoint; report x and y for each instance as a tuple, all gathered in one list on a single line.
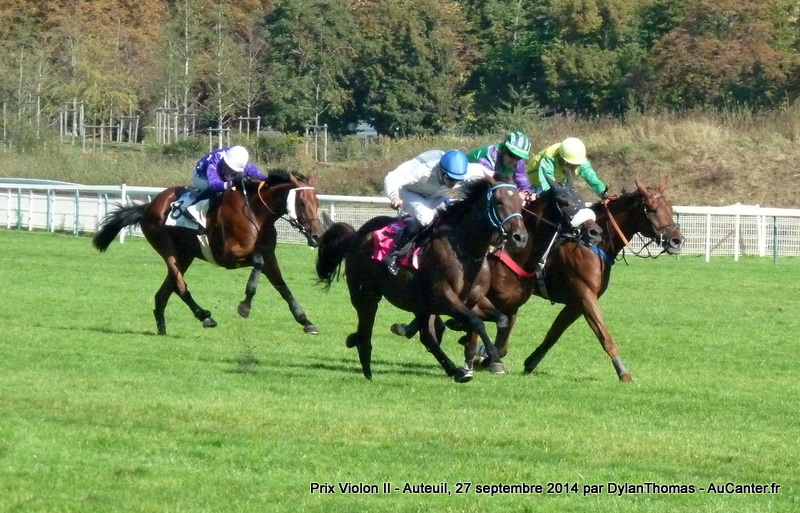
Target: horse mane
[(277, 176), (472, 191)]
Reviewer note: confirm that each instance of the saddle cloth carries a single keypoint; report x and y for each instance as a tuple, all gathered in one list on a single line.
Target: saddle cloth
[(383, 241), (178, 218)]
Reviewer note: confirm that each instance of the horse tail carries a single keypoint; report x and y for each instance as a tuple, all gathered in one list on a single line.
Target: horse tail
[(114, 222), (333, 246)]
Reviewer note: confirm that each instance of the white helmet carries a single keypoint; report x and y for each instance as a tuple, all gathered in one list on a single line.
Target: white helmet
[(236, 157)]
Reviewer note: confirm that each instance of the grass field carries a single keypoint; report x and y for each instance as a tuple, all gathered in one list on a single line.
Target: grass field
[(99, 414)]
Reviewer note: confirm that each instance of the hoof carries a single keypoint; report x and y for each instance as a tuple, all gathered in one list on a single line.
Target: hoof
[(462, 376), (208, 322), (310, 329), (496, 368), (399, 329), (626, 378), (244, 310), (351, 341)]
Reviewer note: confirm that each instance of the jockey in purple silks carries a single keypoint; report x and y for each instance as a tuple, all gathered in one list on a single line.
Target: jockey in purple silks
[(506, 158), (217, 172)]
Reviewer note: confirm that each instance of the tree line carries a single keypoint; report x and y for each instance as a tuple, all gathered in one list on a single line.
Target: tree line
[(408, 67)]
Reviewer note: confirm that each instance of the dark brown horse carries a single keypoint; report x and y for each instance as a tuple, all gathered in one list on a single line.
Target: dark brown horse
[(241, 233), (577, 276), (558, 215), (452, 276)]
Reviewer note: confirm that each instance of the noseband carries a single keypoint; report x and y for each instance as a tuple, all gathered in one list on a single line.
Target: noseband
[(291, 210)]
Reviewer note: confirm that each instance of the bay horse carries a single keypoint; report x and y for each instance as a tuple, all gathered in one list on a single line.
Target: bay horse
[(576, 276), (240, 232), (452, 276)]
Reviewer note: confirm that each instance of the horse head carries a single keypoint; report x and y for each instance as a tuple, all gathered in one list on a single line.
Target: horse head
[(658, 220), (504, 210), (573, 216), (291, 196), (302, 206)]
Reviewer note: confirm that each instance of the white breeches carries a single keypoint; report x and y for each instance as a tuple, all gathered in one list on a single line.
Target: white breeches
[(421, 208)]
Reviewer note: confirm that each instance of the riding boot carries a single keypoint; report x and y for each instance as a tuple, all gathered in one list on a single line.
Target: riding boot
[(406, 236), (190, 211)]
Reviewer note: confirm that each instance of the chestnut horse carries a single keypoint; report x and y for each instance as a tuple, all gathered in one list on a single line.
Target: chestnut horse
[(452, 275), (241, 232), (577, 276)]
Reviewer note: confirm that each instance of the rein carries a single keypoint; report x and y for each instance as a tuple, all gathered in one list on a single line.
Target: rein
[(291, 208)]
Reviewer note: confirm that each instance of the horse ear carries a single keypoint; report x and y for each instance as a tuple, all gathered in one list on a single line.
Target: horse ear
[(553, 184), (327, 221), (639, 185), (311, 179), (663, 185)]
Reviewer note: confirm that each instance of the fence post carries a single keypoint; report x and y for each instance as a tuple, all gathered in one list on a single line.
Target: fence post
[(774, 239)]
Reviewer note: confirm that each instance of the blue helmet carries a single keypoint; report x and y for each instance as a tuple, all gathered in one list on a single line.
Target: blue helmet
[(454, 164)]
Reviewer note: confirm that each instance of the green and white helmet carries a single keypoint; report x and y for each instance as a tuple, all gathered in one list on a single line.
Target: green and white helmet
[(518, 144)]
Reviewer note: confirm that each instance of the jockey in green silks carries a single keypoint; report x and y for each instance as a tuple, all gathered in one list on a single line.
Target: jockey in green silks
[(568, 156)]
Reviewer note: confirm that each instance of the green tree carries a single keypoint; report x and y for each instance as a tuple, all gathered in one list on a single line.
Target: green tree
[(414, 64), (723, 53), (312, 46)]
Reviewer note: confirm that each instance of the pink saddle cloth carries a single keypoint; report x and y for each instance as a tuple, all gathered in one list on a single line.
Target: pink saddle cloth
[(383, 241)]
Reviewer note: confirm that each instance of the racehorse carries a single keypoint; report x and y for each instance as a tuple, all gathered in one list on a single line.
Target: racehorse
[(549, 226), (241, 232), (451, 277), (576, 276)]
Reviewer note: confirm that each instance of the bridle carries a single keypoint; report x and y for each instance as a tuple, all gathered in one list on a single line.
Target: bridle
[(491, 208), (291, 216), (660, 238)]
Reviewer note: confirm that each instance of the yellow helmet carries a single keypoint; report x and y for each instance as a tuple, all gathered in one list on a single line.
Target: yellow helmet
[(573, 151)]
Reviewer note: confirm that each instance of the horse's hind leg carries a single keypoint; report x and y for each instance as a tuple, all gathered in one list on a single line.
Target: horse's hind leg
[(365, 302), (174, 282), (563, 320)]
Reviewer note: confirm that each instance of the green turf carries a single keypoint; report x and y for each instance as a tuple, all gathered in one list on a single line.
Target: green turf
[(99, 414)]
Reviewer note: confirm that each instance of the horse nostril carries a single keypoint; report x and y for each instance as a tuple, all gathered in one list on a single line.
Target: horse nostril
[(677, 242)]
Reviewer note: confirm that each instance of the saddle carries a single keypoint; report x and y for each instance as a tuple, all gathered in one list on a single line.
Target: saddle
[(185, 213), (383, 241)]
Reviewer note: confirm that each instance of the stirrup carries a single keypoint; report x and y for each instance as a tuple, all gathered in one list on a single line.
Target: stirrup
[(392, 265)]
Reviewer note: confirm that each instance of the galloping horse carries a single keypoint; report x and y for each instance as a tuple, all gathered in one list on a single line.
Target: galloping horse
[(241, 232), (451, 277), (577, 276), (549, 224)]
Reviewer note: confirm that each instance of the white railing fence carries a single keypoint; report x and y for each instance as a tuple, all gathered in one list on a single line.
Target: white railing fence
[(735, 230)]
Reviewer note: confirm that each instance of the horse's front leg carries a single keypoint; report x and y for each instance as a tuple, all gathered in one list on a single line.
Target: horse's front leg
[(485, 310), (428, 336), (591, 311), (267, 264), (252, 285)]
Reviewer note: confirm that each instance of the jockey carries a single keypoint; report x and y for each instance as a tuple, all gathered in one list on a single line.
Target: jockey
[(421, 186), (508, 158), (568, 156), (217, 171)]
